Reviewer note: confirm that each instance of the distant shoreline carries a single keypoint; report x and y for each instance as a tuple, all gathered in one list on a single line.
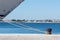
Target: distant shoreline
[(32, 21)]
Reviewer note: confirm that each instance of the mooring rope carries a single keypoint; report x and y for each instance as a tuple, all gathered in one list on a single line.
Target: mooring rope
[(25, 26)]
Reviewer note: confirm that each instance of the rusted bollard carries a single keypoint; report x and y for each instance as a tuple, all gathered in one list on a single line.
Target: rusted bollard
[(49, 31)]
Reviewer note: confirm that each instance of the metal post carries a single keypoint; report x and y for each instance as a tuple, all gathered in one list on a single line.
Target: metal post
[(49, 31)]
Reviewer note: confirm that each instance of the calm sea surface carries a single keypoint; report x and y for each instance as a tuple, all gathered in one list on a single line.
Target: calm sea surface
[(28, 28)]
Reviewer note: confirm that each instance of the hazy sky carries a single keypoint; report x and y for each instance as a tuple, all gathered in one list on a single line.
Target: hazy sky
[(36, 9)]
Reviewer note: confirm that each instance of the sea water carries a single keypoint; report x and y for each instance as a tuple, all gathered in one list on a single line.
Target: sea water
[(13, 27)]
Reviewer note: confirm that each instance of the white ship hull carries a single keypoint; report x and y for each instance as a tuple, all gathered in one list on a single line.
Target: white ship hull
[(6, 6)]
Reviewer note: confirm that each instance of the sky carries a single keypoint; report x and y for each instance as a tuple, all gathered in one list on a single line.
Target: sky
[(36, 9)]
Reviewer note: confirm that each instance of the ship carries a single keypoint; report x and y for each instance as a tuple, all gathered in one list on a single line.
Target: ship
[(6, 6)]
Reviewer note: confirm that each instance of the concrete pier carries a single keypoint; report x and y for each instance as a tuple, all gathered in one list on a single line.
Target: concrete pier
[(29, 37)]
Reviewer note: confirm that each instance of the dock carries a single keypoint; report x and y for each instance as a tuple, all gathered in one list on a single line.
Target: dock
[(29, 37)]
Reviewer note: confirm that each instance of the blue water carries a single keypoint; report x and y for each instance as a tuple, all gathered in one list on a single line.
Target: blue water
[(9, 28)]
